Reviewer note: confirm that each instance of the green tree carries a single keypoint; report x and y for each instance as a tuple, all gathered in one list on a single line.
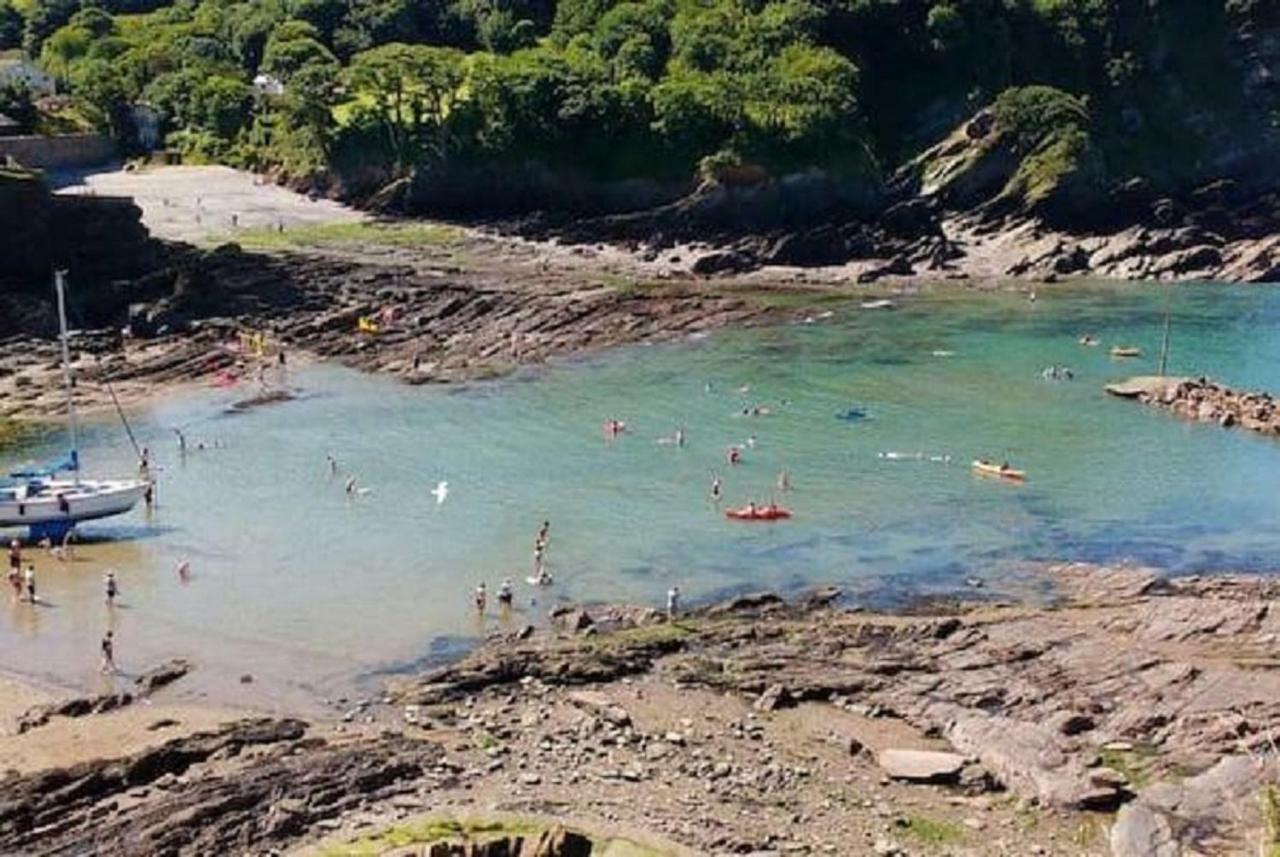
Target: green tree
[(102, 93), (293, 45), (11, 22), (17, 104), (220, 105), (411, 90), (43, 19)]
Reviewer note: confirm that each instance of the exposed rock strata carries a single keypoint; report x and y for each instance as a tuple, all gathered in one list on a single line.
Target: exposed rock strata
[(269, 785), (1136, 677)]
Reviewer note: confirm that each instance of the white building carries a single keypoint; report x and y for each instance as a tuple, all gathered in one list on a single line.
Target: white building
[(29, 73), (265, 84)]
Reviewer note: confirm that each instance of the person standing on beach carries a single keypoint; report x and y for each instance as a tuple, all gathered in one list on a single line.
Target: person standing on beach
[(30, 578), (673, 601), (481, 598), (15, 555), (112, 589), (540, 548), (108, 653)]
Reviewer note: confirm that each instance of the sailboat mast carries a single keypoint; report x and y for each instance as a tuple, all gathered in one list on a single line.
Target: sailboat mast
[(72, 427), (1164, 346)]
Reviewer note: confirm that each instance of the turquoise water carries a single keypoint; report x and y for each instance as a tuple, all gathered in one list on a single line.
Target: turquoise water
[(312, 587)]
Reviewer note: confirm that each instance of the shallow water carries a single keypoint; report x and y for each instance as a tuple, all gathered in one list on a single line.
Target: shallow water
[(307, 588)]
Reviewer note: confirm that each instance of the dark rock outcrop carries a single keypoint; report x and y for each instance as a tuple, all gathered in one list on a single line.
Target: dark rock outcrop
[(269, 787), (101, 239)]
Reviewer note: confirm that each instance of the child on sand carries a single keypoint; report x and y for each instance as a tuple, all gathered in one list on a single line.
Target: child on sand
[(112, 588)]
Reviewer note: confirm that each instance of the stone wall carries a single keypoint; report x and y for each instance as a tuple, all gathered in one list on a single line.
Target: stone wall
[(69, 150)]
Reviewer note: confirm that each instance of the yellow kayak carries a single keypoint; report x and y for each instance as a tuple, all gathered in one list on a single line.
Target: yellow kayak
[(1000, 471)]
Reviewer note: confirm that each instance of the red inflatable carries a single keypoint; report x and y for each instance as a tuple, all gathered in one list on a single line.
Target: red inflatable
[(758, 513)]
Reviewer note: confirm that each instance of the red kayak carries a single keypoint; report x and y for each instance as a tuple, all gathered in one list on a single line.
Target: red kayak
[(758, 513)]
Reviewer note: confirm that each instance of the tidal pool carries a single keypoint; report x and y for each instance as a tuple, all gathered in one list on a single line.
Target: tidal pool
[(309, 589)]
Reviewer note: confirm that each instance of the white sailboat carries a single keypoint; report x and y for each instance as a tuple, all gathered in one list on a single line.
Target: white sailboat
[(49, 504)]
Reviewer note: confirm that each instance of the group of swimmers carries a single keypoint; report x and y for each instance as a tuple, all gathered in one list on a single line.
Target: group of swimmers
[(1057, 373)]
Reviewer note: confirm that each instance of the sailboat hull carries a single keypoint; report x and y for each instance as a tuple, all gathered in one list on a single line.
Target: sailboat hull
[(64, 501)]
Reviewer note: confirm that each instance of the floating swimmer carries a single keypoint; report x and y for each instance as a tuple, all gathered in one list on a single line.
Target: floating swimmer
[(440, 492), (853, 414)]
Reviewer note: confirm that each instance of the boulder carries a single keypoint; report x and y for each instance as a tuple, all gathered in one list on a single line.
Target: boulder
[(164, 674), (775, 696), (571, 618), (724, 262), (1141, 831), (600, 705), (921, 766)]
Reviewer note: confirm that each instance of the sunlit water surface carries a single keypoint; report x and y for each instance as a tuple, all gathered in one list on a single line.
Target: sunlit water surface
[(307, 588)]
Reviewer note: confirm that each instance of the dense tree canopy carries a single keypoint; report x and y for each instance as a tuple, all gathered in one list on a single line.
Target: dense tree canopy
[(621, 88)]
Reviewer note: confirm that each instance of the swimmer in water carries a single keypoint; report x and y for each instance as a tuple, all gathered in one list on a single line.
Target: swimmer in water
[(183, 570), (505, 594), (784, 480), (733, 456), (351, 485), (333, 466), (715, 487), (481, 598)]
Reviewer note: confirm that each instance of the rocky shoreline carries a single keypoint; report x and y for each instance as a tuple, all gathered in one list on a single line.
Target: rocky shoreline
[(1202, 400), (758, 726), (430, 319)]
